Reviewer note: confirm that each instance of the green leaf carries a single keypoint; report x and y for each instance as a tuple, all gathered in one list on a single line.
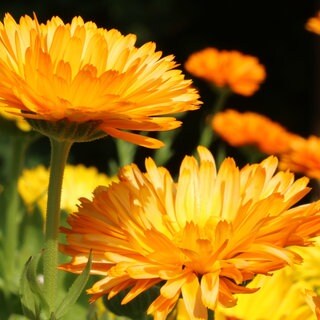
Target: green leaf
[(17, 317), (32, 297), (75, 291), (162, 155), (126, 152), (33, 281), (29, 301)]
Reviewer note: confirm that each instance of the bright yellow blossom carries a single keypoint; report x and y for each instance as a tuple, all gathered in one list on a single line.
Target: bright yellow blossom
[(79, 181), (200, 238), (314, 302), (289, 294), (308, 272), (279, 298), (79, 73), (21, 123)]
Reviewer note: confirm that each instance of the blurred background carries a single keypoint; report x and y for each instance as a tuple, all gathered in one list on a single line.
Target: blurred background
[(275, 33)]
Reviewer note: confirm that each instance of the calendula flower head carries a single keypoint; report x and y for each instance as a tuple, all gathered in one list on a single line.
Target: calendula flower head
[(200, 238), (313, 24), (79, 181), (308, 275), (241, 73), (250, 128), (279, 298), (294, 290), (308, 272), (77, 73), (303, 157)]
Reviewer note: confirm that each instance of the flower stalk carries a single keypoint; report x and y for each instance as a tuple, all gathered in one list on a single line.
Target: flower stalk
[(210, 314), (59, 154), (206, 136)]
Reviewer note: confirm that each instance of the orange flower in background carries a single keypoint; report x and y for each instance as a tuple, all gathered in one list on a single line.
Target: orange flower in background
[(313, 24), (303, 156), (250, 128), (243, 74), (79, 73), (199, 238)]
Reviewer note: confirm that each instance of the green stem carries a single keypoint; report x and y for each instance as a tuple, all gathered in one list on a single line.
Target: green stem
[(206, 136), (162, 155), (210, 314), (59, 155), (12, 210), (126, 152), (221, 153)]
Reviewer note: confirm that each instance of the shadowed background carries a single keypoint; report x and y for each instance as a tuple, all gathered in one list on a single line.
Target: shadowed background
[(274, 34)]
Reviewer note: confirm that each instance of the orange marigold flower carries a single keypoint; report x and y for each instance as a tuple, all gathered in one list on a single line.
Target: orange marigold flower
[(313, 24), (78, 72), (250, 128), (303, 156), (199, 238), (242, 73)]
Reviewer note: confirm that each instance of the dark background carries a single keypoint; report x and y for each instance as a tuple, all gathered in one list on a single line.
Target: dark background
[(273, 31)]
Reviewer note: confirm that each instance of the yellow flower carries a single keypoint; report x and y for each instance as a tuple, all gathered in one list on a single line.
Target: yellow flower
[(314, 302), (250, 128), (279, 298), (200, 238), (308, 272), (289, 294), (79, 181), (81, 73), (21, 123), (242, 73), (103, 313), (303, 156), (313, 24)]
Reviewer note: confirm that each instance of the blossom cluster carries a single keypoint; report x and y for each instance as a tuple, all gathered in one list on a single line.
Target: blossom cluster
[(213, 239)]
